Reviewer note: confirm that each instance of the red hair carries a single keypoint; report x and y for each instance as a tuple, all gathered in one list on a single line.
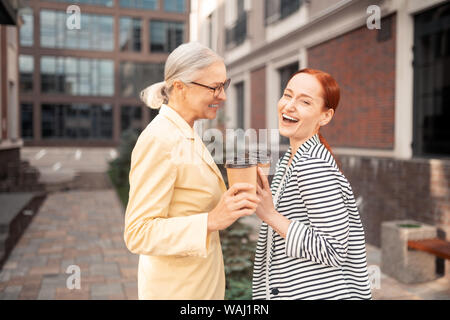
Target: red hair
[(331, 94)]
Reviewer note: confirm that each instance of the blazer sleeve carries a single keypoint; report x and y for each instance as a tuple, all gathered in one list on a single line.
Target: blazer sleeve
[(148, 228), (325, 240)]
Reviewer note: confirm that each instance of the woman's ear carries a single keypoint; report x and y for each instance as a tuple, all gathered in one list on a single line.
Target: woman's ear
[(179, 89), (326, 117)]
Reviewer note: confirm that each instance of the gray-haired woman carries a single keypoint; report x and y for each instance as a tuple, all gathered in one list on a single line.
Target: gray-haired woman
[(178, 200)]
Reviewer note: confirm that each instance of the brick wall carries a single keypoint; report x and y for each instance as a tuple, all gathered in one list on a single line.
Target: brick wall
[(390, 189), (258, 98), (365, 71)]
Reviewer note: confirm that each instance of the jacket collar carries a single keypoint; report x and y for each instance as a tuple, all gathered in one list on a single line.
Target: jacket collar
[(190, 134), (178, 120)]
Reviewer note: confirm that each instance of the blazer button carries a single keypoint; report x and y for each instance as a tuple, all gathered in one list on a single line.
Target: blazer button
[(275, 291)]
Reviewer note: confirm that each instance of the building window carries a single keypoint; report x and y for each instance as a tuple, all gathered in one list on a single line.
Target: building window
[(237, 33), (432, 82), (175, 5), (240, 105), (279, 9), (285, 74), (130, 34), (139, 4), (26, 29), (26, 115), (131, 118), (26, 69), (165, 36), (104, 3), (76, 76), (96, 33), (134, 77), (77, 121)]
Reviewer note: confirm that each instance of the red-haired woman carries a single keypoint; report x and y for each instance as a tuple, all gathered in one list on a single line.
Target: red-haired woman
[(311, 243)]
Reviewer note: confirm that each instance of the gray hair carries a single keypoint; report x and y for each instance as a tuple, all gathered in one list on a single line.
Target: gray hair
[(182, 64)]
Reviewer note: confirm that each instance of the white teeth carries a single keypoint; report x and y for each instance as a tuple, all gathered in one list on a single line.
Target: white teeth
[(213, 106), (289, 118)]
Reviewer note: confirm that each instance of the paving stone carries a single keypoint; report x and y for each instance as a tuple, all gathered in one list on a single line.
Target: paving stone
[(105, 269), (103, 291), (11, 293)]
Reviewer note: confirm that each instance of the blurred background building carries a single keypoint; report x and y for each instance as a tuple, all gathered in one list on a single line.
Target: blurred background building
[(390, 132), (80, 87)]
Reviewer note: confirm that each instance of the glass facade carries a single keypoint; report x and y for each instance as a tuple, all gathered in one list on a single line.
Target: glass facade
[(77, 121), (139, 4), (77, 76), (175, 5), (165, 36), (96, 32), (136, 76), (26, 115), (105, 3), (131, 118), (130, 34), (26, 70), (26, 29)]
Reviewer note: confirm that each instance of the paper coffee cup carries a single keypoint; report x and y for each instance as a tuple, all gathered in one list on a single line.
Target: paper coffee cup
[(242, 171)]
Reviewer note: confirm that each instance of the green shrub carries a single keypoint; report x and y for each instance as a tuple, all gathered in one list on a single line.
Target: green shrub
[(119, 168)]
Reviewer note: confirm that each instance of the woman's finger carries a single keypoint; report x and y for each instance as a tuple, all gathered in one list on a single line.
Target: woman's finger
[(245, 195), (238, 187), (245, 204), (263, 178), (245, 212), (259, 190)]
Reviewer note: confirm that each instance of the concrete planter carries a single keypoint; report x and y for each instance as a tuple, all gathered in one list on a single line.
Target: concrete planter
[(407, 266)]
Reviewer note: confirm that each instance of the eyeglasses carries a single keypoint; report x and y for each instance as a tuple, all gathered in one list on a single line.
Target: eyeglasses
[(217, 90)]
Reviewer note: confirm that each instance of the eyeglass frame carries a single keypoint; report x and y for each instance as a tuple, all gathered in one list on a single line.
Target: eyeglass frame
[(223, 85)]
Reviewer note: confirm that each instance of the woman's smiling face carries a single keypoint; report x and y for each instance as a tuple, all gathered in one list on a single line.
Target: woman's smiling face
[(301, 109)]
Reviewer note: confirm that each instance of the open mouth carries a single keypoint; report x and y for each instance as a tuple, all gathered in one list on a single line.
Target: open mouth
[(288, 119), (213, 105)]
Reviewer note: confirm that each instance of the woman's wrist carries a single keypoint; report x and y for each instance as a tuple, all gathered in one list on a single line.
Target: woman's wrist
[(278, 222)]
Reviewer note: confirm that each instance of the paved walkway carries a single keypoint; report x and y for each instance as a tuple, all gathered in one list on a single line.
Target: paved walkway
[(82, 228)]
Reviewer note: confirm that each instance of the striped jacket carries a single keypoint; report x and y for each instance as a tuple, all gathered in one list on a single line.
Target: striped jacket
[(324, 254)]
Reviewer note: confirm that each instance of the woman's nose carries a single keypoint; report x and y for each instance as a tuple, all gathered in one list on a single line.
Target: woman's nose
[(222, 96)]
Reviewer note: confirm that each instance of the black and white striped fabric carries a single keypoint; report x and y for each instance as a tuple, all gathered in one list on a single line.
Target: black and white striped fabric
[(324, 254)]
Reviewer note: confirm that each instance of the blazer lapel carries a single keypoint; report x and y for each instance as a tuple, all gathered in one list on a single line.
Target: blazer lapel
[(205, 155), (194, 138)]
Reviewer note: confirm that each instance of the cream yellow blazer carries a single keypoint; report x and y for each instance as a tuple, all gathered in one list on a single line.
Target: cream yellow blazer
[(174, 183)]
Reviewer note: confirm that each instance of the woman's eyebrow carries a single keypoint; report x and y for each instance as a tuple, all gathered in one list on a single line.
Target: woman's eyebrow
[(301, 94)]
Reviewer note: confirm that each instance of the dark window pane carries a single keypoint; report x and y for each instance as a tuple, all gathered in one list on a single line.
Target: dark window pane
[(432, 82), (165, 36), (240, 104), (26, 69), (130, 34), (26, 114), (136, 76), (77, 121), (131, 118)]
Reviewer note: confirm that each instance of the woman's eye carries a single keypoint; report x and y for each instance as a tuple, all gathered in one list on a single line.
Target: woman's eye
[(286, 95), (306, 102)]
